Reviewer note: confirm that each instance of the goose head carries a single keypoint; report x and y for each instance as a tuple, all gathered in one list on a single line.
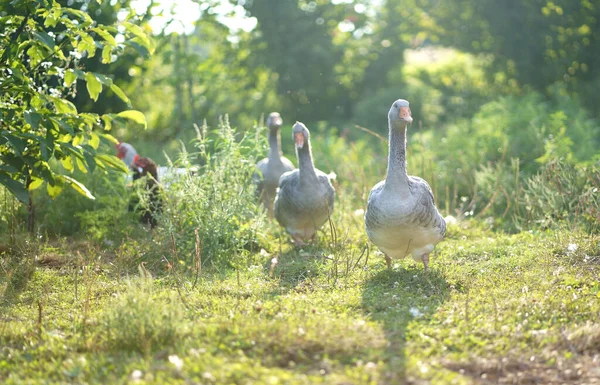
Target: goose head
[(146, 166), (274, 121), (301, 135), (399, 115)]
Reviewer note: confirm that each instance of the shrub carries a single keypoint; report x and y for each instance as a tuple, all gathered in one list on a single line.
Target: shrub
[(105, 218), (442, 85), (219, 203)]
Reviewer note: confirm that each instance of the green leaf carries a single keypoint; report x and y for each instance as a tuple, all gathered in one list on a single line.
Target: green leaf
[(78, 186), (142, 37), (90, 162), (94, 86), (105, 80), (134, 115), (94, 140), (113, 162), (81, 166), (80, 14), (54, 190), (68, 163), (64, 106), (119, 92), (17, 143), (33, 118), (15, 187), (141, 49), (107, 122), (77, 140), (36, 55), (106, 54), (70, 77), (86, 44), (35, 183), (45, 38), (106, 36), (110, 138), (53, 16)]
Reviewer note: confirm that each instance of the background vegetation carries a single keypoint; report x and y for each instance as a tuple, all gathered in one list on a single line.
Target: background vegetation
[(506, 132)]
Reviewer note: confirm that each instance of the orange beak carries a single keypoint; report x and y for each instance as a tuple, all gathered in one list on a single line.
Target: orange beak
[(405, 114), (299, 140)]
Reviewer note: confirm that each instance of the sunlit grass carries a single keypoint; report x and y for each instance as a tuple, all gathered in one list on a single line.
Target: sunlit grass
[(492, 305)]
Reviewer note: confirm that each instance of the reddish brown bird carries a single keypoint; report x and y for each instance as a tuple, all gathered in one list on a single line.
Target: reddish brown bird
[(146, 168)]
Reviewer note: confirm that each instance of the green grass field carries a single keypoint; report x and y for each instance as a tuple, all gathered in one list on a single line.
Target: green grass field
[(494, 308)]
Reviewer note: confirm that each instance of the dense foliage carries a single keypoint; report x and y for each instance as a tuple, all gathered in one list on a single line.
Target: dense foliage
[(41, 61)]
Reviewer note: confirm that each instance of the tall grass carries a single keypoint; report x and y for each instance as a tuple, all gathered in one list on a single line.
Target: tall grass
[(218, 203)]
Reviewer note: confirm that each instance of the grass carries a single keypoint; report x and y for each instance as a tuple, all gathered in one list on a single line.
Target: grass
[(495, 308)]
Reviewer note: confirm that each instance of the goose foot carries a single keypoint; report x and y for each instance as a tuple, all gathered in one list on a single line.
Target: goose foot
[(388, 262), (426, 262)]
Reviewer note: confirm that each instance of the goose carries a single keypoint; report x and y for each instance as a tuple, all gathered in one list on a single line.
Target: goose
[(270, 169), (401, 217), (305, 196)]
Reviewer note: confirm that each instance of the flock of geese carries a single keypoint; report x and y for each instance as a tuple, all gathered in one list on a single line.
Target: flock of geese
[(401, 218)]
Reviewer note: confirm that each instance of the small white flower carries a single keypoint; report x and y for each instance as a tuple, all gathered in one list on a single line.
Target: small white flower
[(54, 92), (359, 212), (136, 375), (571, 248), (75, 54), (176, 361), (415, 312)]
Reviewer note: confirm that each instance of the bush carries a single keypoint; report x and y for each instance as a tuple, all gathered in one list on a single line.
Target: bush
[(442, 85), (105, 218), (219, 203)]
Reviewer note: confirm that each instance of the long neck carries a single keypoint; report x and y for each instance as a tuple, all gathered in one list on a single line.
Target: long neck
[(305, 162), (396, 172), (274, 146)]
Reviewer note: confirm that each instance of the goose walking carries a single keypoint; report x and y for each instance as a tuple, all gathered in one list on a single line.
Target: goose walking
[(270, 169), (305, 196), (401, 218)]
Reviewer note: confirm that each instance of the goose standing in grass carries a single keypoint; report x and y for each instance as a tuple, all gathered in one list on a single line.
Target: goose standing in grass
[(270, 169), (401, 217), (305, 196)]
